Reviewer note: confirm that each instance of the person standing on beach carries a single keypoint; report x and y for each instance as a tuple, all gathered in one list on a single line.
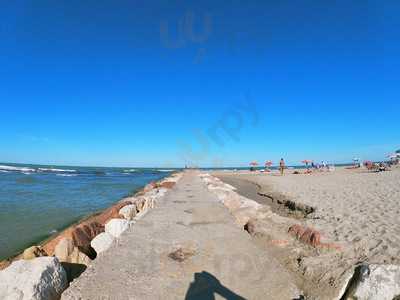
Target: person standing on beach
[(282, 166)]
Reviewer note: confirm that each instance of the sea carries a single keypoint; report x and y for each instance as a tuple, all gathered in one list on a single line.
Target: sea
[(38, 201)]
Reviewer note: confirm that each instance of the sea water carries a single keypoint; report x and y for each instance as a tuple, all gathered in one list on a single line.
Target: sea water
[(38, 201)]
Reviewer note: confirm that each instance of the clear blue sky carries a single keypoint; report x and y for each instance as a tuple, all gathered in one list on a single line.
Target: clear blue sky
[(129, 83)]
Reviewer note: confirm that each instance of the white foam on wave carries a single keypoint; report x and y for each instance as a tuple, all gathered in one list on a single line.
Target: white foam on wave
[(130, 171), (55, 170), (67, 175), (165, 170), (16, 169)]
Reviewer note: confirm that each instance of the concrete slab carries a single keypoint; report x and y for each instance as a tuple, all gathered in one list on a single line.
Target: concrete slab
[(212, 256)]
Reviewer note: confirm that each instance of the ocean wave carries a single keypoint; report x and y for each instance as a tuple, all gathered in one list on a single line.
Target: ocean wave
[(67, 175), (131, 171), (16, 169), (56, 170), (165, 170)]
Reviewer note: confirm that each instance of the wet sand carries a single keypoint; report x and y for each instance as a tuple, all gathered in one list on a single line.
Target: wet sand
[(252, 190)]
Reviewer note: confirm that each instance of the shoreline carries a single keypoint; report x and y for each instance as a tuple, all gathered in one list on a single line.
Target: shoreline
[(51, 239)]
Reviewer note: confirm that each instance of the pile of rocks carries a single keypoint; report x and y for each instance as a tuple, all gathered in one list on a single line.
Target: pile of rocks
[(243, 209), (44, 272)]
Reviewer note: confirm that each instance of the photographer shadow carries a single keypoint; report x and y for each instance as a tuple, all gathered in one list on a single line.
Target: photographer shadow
[(205, 286)]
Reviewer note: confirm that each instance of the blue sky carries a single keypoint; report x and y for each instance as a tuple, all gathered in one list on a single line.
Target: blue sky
[(131, 83)]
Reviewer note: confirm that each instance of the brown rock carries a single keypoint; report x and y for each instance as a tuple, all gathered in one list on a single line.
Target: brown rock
[(64, 249), (33, 252), (111, 213), (84, 234), (311, 237), (167, 184), (306, 235), (50, 246), (297, 230), (5, 264), (150, 186)]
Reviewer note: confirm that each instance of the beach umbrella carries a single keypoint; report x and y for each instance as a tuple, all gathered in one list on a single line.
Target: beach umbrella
[(253, 165), (306, 161), (268, 163)]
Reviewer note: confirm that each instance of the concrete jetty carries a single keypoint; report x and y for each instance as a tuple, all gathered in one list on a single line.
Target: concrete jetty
[(187, 247)]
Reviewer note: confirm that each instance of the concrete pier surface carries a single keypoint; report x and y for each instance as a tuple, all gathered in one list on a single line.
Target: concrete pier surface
[(187, 247)]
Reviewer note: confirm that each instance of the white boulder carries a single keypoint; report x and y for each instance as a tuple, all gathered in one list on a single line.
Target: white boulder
[(128, 211), (116, 227), (102, 242), (248, 203), (228, 186), (381, 282), (37, 279), (161, 192)]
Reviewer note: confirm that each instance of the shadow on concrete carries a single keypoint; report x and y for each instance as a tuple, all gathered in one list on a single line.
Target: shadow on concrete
[(205, 286)]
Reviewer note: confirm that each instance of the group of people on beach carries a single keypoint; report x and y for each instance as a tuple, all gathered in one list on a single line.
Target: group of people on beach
[(320, 167), (324, 166)]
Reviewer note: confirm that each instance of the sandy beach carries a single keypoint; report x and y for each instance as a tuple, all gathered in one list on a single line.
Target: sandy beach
[(355, 209)]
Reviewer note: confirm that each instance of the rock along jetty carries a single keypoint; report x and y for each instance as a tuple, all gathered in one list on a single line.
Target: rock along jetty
[(188, 247)]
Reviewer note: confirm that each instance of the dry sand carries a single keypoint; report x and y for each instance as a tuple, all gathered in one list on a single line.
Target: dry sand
[(356, 209)]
